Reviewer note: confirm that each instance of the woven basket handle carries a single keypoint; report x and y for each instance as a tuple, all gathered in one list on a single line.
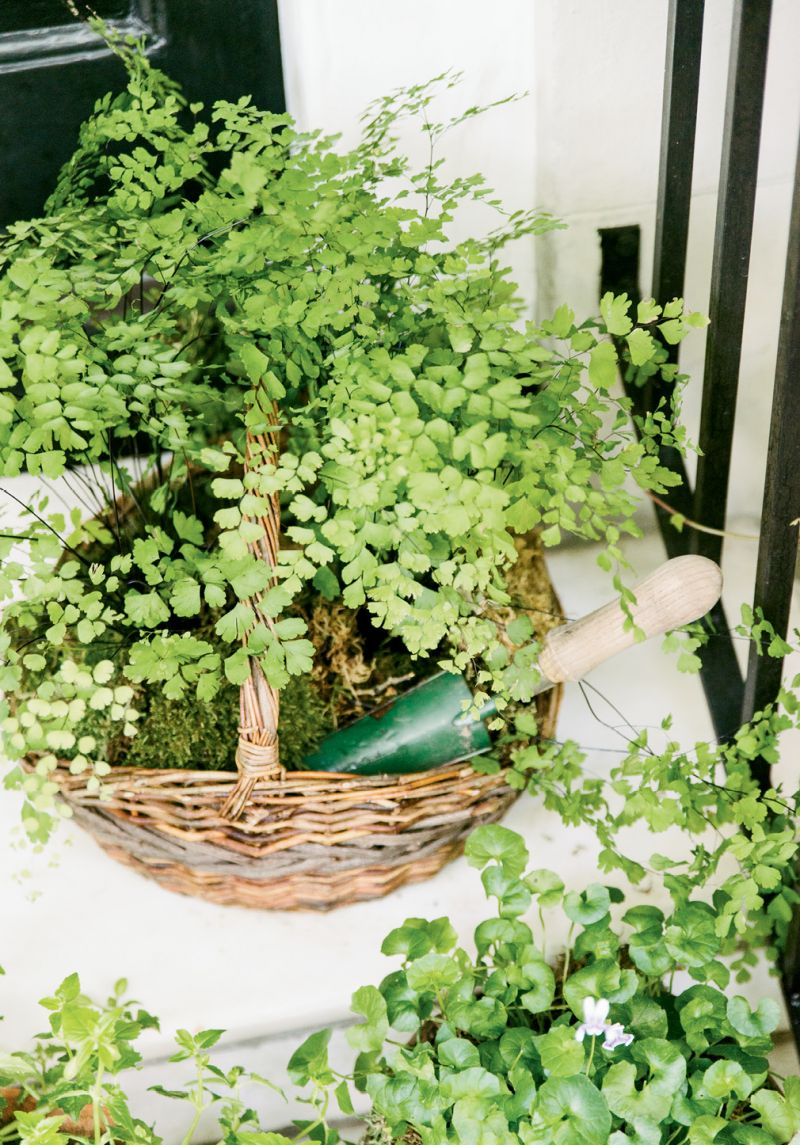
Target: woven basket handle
[(257, 755)]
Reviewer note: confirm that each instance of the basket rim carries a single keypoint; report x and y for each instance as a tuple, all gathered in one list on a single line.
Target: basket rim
[(210, 776), (184, 776)]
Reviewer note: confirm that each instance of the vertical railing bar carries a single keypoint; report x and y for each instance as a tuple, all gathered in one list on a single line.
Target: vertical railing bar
[(777, 550), (678, 128), (791, 975), (673, 202), (732, 240), (721, 677)]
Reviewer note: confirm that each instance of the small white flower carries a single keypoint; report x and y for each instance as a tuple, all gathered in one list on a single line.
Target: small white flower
[(616, 1036), (595, 1012)]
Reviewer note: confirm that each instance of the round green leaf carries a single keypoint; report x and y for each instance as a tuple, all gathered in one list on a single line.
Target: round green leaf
[(724, 1078), (546, 886), (599, 940), (483, 1018), (539, 996), (495, 931), (589, 906), (645, 1017), (753, 1023), (701, 1010), (600, 979), (368, 1035), (704, 1129), (776, 1114), (403, 1005), (648, 952), (418, 936), (560, 1053), (433, 972), (665, 1075), (576, 1111), (493, 843), (511, 892), (405, 1098), (472, 1082), (517, 1047), (691, 939), (479, 1121), (458, 1053)]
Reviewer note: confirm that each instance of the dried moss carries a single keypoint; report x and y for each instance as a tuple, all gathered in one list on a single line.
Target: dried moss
[(356, 667), (376, 1130)]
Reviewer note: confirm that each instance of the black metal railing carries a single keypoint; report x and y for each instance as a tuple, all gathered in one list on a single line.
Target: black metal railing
[(731, 699)]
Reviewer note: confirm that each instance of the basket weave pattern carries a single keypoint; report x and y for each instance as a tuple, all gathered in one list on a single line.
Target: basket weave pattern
[(307, 840), (276, 839)]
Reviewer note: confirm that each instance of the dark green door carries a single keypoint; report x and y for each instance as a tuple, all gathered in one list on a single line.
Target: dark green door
[(53, 67)]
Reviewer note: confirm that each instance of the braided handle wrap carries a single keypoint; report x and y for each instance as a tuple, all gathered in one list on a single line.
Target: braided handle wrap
[(257, 755)]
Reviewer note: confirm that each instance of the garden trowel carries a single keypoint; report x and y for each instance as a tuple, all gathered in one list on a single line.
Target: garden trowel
[(431, 724)]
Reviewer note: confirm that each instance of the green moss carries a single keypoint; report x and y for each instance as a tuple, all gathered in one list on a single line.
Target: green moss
[(356, 667), (186, 733), (199, 735)]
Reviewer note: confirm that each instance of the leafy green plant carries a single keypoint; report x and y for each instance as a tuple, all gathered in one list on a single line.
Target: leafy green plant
[(203, 276), (526, 1040), (744, 833), (70, 1086), (597, 1045)]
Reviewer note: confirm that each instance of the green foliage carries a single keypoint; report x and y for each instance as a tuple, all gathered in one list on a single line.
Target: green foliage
[(749, 861), (70, 1086), (450, 1049), (201, 272), (613, 1053)]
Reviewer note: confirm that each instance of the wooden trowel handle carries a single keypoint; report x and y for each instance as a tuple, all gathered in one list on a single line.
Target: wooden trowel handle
[(678, 592)]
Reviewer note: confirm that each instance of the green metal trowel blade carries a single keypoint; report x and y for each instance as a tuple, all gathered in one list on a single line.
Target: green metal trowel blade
[(425, 726)]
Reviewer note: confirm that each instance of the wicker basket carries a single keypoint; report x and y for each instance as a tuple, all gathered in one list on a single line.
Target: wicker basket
[(285, 840)]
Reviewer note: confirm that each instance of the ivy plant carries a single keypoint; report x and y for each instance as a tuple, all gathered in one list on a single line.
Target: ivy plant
[(593, 1045)]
